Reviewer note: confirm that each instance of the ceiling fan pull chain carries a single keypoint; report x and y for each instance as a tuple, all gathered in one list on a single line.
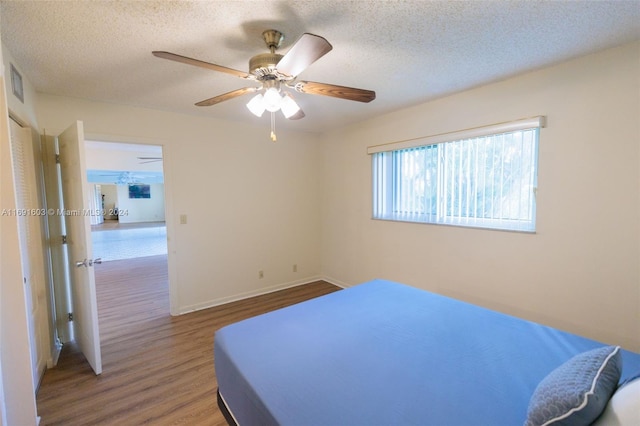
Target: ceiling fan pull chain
[(273, 126)]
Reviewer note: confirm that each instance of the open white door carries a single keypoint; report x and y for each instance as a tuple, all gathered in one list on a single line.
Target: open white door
[(77, 206)]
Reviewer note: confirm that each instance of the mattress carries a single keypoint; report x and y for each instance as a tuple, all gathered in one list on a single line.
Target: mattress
[(383, 353)]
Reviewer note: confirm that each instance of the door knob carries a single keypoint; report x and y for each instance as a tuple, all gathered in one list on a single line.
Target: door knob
[(88, 262)]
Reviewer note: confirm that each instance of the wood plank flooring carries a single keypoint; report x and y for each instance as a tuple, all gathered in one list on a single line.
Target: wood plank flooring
[(157, 369)]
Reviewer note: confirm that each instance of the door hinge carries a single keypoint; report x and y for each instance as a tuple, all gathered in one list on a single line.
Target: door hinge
[(64, 239), (57, 158), (70, 316)]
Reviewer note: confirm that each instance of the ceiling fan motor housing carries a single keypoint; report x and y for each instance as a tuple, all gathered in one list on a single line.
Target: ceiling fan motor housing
[(273, 39), (264, 64)]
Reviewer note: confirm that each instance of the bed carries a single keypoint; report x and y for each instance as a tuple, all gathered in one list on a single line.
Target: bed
[(383, 353)]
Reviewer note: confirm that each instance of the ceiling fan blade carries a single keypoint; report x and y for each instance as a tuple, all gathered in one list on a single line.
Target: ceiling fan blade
[(306, 50), (297, 116), (145, 160), (226, 96), (342, 92), (202, 64)]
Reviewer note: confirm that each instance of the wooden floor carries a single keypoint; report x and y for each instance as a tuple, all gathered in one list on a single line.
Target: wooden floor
[(157, 369)]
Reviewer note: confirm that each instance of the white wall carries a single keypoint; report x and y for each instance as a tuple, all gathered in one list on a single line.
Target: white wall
[(579, 272), (250, 204), (117, 156), (135, 210)]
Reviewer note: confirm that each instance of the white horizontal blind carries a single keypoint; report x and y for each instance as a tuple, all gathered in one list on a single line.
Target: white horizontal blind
[(485, 181)]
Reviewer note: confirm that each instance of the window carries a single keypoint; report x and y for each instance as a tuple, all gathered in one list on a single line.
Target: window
[(483, 178)]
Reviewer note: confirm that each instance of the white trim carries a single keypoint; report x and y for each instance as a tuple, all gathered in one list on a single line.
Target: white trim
[(336, 282), (55, 354), (493, 129), (250, 294), (247, 294)]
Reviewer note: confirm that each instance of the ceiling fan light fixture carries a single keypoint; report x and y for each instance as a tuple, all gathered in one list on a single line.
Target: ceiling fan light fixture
[(256, 105), (289, 106), (272, 99), (272, 70)]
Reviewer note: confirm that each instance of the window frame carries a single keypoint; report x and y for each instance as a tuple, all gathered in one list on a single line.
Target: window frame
[(384, 192)]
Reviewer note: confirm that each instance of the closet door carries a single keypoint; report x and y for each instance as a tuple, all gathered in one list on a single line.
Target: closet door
[(29, 217)]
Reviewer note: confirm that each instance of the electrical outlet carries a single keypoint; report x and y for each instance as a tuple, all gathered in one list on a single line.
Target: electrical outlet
[(260, 274), (295, 268)]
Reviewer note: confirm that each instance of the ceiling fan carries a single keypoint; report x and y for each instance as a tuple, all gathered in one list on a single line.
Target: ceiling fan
[(121, 178), (145, 160), (274, 72)]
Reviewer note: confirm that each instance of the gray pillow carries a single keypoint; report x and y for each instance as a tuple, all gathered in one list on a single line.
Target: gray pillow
[(576, 392)]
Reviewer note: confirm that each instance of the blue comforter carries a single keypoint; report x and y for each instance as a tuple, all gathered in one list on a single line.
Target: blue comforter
[(383, 353)]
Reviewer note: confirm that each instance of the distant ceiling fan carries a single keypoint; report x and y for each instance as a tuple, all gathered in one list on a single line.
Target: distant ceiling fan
[(121, 178), (274, 71), (145, 160)]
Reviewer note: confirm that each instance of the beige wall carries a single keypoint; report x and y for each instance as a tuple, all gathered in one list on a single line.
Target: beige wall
[(580, 271), (250, 204)]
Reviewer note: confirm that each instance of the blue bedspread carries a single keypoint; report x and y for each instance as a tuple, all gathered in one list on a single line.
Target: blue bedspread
[(383, 353)]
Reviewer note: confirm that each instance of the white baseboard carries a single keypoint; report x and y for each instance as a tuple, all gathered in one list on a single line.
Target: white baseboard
[(248, 294), (336, 282), (55, 354)]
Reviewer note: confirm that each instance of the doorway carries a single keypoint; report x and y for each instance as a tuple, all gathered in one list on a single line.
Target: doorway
[(129, 233), (128, 182), (123, 165)]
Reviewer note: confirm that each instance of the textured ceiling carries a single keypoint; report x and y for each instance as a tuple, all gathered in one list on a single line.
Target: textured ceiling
[(407, 51)]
